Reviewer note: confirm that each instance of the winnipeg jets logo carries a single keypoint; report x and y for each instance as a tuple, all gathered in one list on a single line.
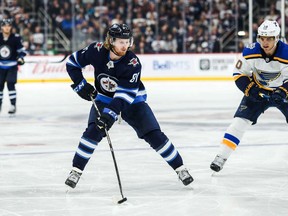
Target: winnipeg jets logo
[(98, 46), (5, 52), (133, 62), (107, 83)]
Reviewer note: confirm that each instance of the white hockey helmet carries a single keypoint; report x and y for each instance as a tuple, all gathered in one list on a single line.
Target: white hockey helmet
[(269, 28)]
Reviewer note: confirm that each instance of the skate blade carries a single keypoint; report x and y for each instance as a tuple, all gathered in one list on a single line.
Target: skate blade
[(12, 115)]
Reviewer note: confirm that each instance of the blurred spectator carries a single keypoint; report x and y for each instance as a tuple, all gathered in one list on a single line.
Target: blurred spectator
[(37, 40), (51, 50), (168, 26), (66, 25)]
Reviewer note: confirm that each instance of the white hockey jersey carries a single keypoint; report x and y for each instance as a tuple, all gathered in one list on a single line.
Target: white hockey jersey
[(268, 72)]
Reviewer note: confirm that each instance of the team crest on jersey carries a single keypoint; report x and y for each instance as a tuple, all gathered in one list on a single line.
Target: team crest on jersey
[(268, 76), (98, 46), (133, 62), (107, 83), (5, 52)]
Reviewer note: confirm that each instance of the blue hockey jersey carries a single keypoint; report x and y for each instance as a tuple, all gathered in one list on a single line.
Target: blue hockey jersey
[(117, 82), (10, 50)]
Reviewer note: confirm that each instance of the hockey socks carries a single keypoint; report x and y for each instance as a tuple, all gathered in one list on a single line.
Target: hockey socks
[(170, 154), (84, 152)]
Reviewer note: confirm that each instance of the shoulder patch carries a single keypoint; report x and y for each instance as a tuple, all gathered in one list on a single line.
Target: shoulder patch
[(133, 62), (250, 46), (98, 45), (252, 51)]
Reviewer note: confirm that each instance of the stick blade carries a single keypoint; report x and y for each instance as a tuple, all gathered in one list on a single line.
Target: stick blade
[(122, 200)]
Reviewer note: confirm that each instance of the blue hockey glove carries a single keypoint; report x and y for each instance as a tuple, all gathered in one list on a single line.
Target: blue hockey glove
[(20, 61), (106, 120), (84, 90), (279, 96), (255, 93)]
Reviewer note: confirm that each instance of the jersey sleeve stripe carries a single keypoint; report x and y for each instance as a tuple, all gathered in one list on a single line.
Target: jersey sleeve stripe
[(236, 76), (281, 60), (133, 91), (253, 56)]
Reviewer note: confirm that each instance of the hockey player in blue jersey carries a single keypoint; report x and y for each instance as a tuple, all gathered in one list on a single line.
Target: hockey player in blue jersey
[(261, 74), (119, 91), (12, 54)]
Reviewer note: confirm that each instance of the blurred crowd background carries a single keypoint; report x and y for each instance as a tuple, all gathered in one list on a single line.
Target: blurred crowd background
[(50, 27)]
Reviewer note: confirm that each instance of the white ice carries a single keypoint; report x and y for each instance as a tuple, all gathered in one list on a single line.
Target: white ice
[(38, 144)]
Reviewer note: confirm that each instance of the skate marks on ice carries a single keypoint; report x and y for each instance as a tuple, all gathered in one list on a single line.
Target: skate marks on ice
[(35, 163)]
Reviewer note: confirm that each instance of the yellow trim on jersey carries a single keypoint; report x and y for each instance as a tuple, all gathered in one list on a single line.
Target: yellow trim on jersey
[(253, 56), (236, 77), (246, 92), (284, 89), (260, 85), (229, 144), (281, 60)]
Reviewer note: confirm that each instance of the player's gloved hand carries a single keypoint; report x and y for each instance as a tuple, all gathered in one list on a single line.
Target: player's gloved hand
[(20, 61), (106, 120), (84, 90), (279, 96), (255, 93)]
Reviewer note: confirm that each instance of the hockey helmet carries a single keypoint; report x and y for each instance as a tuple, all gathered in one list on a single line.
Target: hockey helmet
[(269, 28), (120, 31), (6, 22)]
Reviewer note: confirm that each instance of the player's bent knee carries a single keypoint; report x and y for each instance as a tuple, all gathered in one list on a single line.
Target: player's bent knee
[(92, 133), (238, 125), (155, 138)]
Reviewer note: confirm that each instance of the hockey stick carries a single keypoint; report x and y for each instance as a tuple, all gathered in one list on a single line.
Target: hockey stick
[(113, 155), (47, 62)]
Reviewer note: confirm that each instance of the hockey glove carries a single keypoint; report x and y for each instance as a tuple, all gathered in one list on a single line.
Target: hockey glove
[(84, 90), (255, 93), (106, 120), (20, 61), (279, 96)]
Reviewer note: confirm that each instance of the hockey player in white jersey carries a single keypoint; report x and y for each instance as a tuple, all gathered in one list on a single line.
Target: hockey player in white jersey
[(261, 73)]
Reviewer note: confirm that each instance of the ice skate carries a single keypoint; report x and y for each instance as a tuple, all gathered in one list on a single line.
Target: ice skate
[(73, 177), (218, 163), (12, 110), (184, 175)]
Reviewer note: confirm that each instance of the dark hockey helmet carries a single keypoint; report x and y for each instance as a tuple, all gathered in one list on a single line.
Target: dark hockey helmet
[(117, 31), (6, 22), (120, 31)]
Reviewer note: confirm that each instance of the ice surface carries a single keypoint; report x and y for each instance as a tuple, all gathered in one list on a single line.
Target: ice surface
[(38, 144)]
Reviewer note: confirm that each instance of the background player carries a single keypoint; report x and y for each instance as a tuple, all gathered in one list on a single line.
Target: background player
[(261, 74), (118, 90), (12, 54)]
